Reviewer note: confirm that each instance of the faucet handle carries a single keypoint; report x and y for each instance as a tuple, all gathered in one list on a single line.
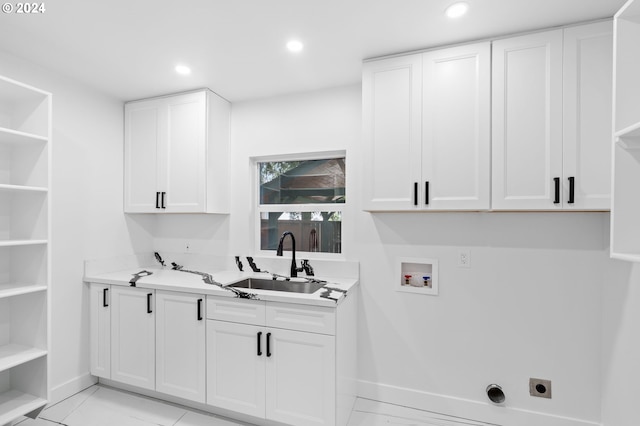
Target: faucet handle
[(308, 269)]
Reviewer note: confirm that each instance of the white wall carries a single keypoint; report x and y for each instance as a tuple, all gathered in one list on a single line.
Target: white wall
[(529, 306), (87, 182), (621, 345)]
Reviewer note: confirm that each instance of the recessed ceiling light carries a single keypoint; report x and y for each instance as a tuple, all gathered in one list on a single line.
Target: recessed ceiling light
[(183, 70), (295, 46), (456, 10)]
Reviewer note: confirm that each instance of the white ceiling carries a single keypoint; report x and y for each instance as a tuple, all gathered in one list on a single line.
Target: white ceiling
[(128, 48)]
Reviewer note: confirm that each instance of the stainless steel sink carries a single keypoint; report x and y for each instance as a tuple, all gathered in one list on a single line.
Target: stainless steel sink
[(279, 285)]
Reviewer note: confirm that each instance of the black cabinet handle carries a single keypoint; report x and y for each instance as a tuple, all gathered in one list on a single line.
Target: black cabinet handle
[(162, 204), (426, 192), (572, 185), (104, 297), (556, 181), (199, 309), (268, 344), (149, 311), (157, 200), (415, 193), (259, 340)]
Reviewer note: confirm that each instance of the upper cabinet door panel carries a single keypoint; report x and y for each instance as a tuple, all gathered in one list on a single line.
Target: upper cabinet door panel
[(456, 127), (185, 150), (141, 154), (587, 84), (392, 132), (527, 121)]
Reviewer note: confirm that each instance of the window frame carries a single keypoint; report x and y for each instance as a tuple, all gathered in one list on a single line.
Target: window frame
[(258, 208)]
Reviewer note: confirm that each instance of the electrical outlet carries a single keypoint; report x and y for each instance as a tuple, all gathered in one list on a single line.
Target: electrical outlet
[(540, 388), (464, 258)]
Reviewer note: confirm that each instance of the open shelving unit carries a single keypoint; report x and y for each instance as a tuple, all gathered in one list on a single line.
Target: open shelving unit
[(625, 209), (25, 249)]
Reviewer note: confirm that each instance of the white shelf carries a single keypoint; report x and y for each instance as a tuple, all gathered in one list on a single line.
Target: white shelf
[(630, 11), (13, 243), (17, 289), (629, 138), (10, 136), (629, 257), (12, 355), (14, 91), (25, 256), (15, 404), (22, 188)]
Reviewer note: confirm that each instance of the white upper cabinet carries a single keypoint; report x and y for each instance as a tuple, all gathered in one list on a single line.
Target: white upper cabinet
[(456, 136), (142, 145), (392, 115), (551, 120), (426, 130), (587, 112), (525, 126), (176, 154), (527, 122)]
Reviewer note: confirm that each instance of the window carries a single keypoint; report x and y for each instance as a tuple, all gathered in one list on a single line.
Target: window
[(305, 197)]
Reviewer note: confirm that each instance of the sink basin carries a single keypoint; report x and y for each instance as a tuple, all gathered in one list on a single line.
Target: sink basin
[(278, 285)]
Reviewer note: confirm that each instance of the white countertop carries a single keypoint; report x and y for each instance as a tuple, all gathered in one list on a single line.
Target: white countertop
[(184, 281)]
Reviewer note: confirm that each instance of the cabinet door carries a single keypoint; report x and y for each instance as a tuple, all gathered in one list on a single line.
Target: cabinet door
[(456, 128), (183, 154), (143, 132), (100, 330), (527, 122), (300, 378), (235, 367), (133, 336), (587, 105), (391, 92), (180, 345)]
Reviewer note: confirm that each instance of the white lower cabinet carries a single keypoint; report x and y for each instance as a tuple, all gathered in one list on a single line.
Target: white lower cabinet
[(180, 345), (133, 336), (300, 371), (282, 375), (268, 360), (150, 339), (235, 367), (100, 330), (275, 361)]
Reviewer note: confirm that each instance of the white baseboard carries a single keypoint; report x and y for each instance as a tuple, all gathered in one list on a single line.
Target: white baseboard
[(465, 408), (71, 387)]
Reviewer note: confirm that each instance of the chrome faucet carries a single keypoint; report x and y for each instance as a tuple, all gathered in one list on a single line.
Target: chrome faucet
[(294, 267)]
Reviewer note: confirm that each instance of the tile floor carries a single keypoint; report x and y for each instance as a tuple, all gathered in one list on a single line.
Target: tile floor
[(104, 406)]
